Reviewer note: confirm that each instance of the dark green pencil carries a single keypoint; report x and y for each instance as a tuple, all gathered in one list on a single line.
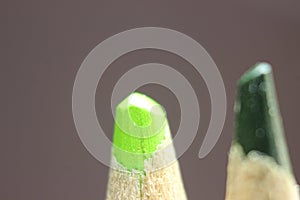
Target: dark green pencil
[(259, 165)]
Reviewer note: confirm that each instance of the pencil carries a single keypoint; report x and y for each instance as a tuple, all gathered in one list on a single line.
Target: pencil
[(143, 163), (259, 165)]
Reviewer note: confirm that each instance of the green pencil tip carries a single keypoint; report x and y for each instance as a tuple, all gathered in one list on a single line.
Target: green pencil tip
[(258, 70), (140, 125), (258, 121)]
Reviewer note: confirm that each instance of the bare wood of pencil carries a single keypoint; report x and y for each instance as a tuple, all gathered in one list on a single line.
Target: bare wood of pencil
[(143, 164)]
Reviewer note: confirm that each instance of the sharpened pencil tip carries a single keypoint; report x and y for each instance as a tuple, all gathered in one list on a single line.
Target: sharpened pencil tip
[(257, 70), (139, 127), (258, 121)]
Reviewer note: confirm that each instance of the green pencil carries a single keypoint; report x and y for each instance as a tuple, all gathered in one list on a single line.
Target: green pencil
[(143, 163), (259, 165)]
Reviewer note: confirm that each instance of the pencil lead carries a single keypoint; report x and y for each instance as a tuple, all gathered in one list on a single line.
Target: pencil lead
[(144, 163), (139, 128), (258, 121)]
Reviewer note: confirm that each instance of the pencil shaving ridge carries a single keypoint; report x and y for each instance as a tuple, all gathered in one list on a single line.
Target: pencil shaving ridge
[(258, 177)]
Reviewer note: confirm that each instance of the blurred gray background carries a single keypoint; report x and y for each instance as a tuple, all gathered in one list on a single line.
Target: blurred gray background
[(44, 42)]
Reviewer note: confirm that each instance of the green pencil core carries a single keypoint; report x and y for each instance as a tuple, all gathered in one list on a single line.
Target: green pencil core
[(140, 125), (258, 121), (140, 116)]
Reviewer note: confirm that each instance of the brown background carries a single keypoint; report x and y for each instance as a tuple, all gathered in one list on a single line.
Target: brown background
[(44, 42)]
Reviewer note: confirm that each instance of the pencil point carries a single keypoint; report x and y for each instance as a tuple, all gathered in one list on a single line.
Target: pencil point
[(258, 121), (139, 127), (257, 70)]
